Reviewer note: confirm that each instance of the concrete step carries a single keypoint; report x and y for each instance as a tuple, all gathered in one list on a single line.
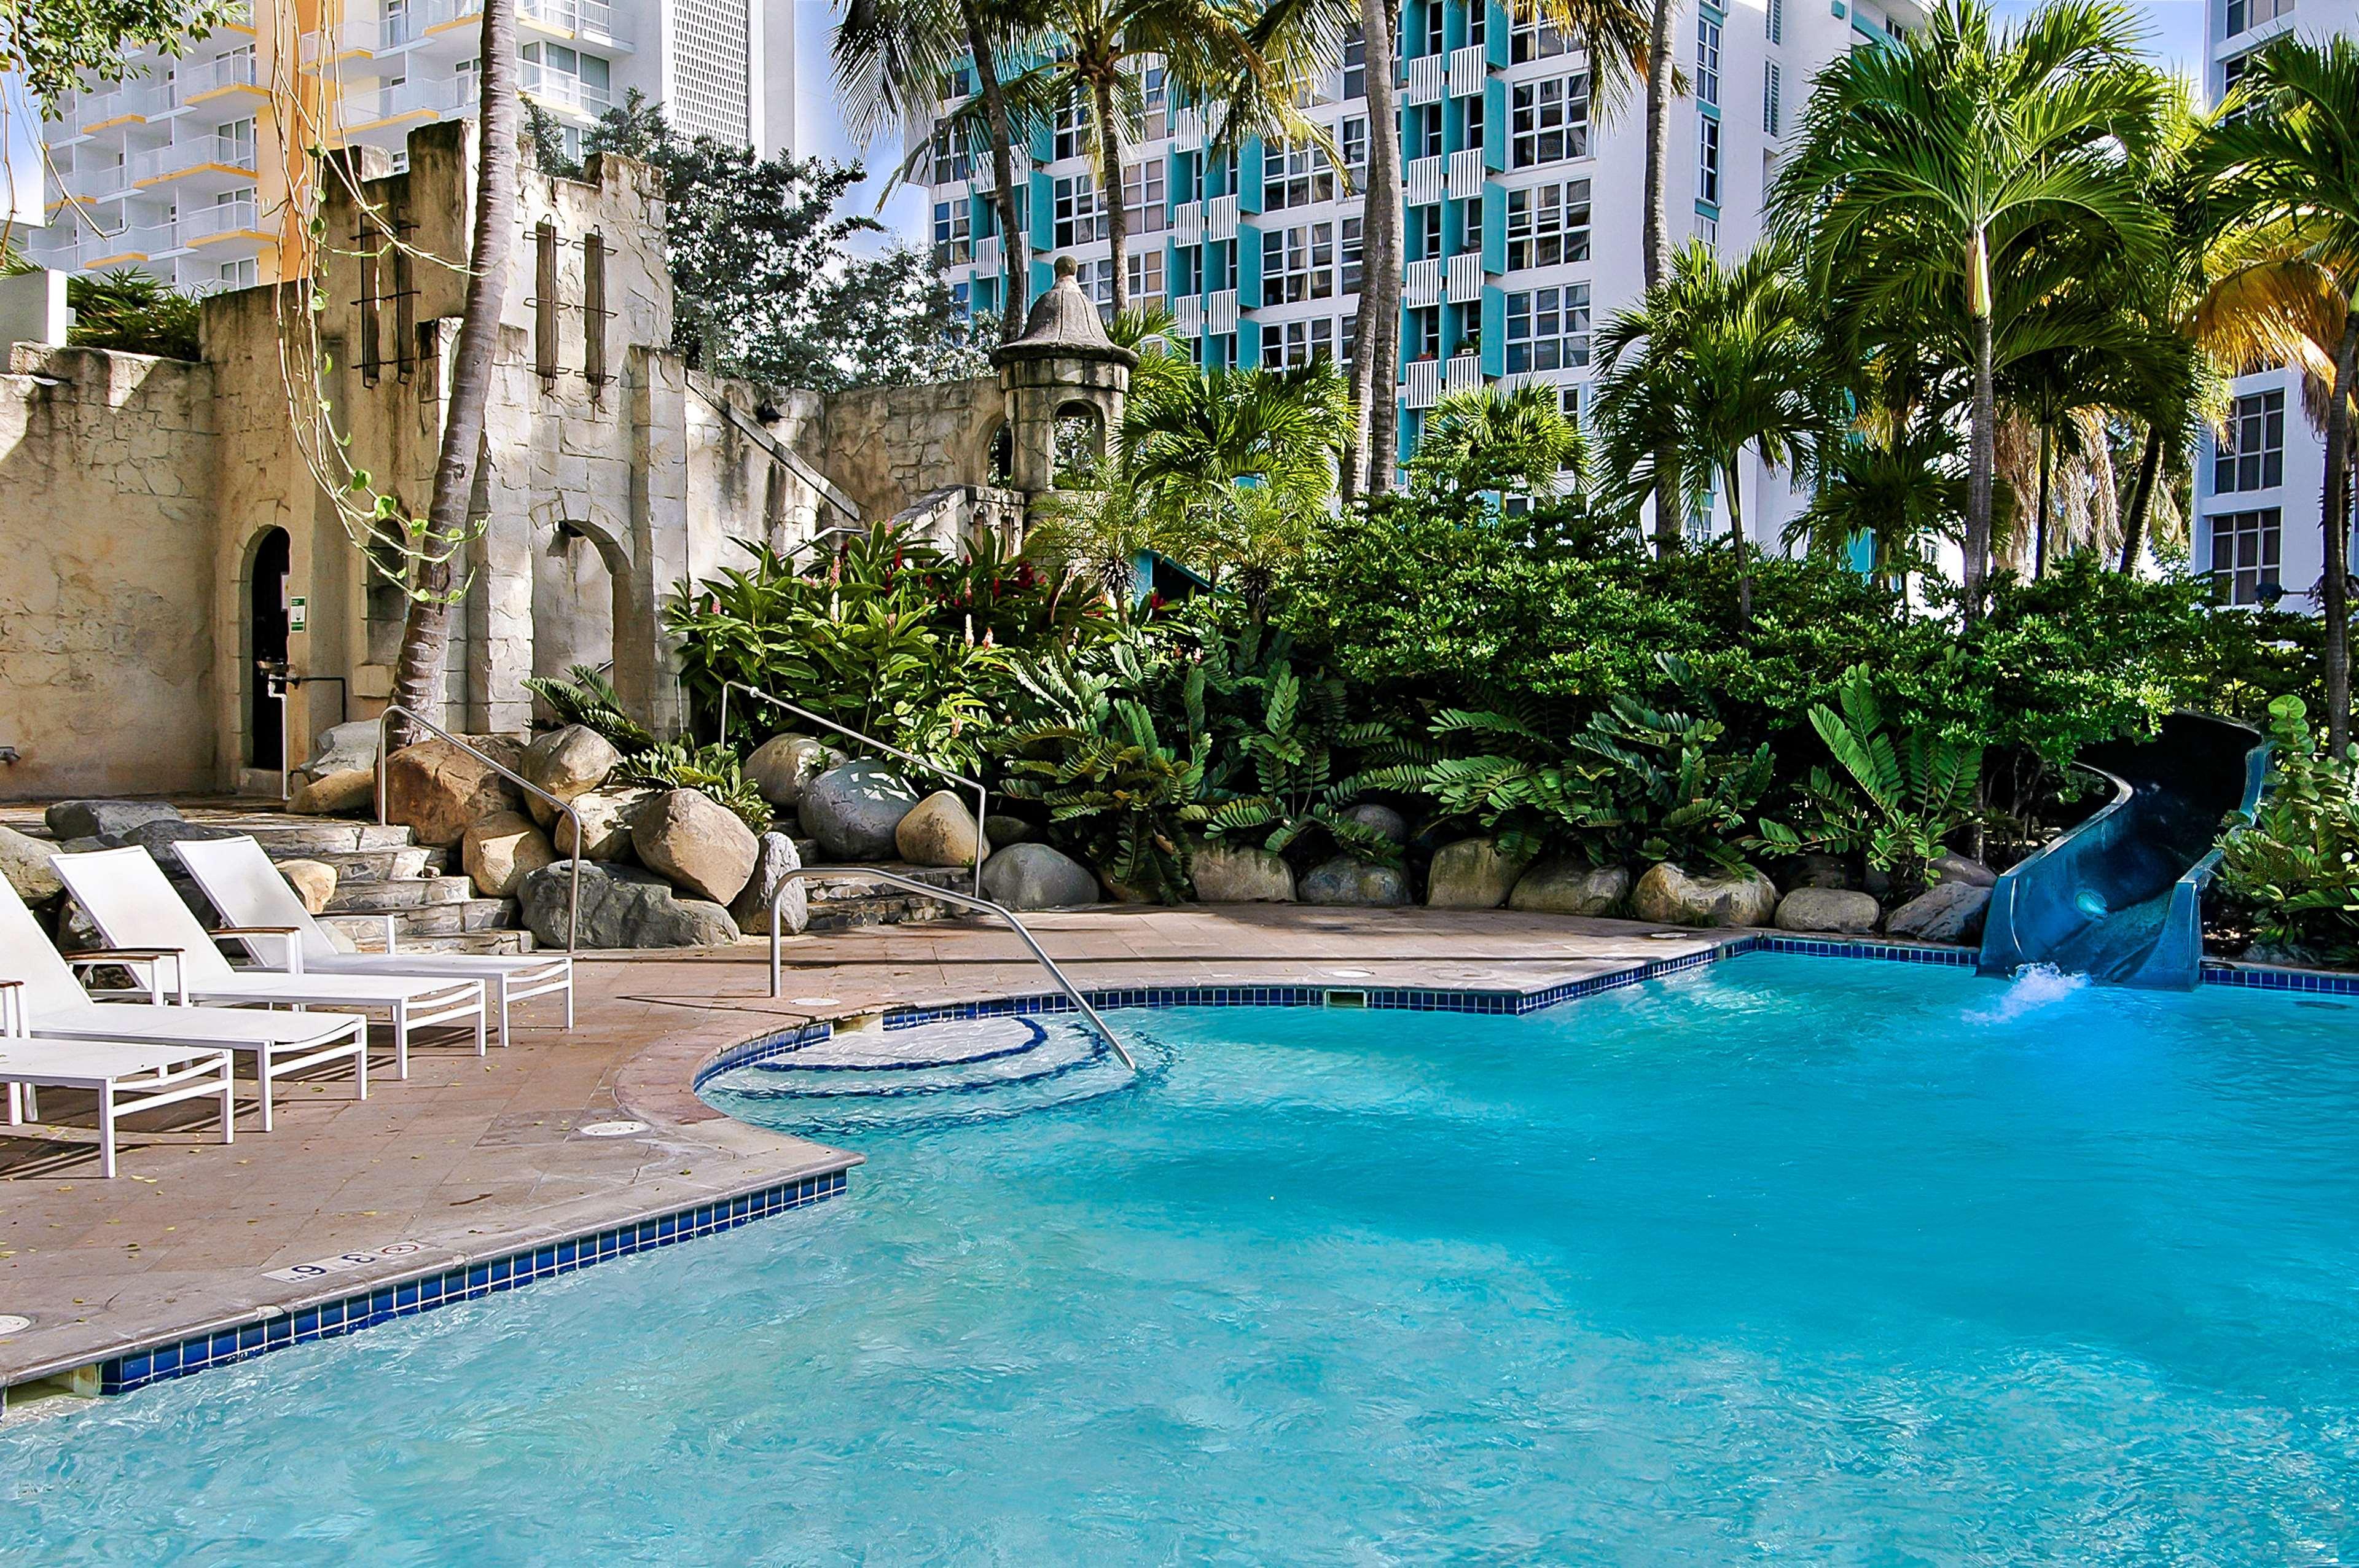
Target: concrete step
[(896, 909), (433, 920), (310, 838), (353, 866), (840, 883), (400, 893), (503, 943)]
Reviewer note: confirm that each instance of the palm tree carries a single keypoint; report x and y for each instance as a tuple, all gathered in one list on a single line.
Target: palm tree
[(426, 633), (1515, 442), (1714, 361), (2282, 167), (1897, 485), (1925, 175)]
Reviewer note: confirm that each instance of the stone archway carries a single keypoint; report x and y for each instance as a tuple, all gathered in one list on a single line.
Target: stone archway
[(263, 642)]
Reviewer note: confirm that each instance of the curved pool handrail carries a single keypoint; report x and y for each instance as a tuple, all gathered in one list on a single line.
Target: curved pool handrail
[(926, 889), (573, 910)]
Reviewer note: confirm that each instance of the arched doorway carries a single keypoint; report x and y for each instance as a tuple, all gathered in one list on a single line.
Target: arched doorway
[(266, 723)]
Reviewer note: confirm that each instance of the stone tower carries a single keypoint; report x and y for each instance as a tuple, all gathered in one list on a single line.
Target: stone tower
[(1064, 367)]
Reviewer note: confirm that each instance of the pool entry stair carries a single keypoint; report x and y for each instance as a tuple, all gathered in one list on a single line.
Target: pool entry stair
[(871, 1079), (2119, 897)]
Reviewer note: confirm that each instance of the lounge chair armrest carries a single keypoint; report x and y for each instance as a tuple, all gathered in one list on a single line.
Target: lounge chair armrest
[(259, 930), (291, 938), (122, 955), (151, 960)]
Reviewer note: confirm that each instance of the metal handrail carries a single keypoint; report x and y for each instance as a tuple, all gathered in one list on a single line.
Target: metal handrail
[(980, 795), (982, 905), (580, 841)]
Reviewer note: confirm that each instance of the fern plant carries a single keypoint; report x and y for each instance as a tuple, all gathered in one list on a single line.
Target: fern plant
[(590, 698), (1898, 798), (712, 770)]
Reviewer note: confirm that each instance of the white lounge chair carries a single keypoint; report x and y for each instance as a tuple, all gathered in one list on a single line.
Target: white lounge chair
[(51, 1005), (249, 892), (123, 890), (128, 1075)]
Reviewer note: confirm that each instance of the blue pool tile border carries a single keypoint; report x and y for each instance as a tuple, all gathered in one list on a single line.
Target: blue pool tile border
[(460, 1282)]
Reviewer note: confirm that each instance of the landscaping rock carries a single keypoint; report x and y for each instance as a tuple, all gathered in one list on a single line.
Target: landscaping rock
[(1472, 874), (1566, 885), (569, 761), (77, 932), (772, 861), (938, 831), (104, 818), (605, 817), (1669, 895), (853, 808), (783, 766), (438, 790), (1034, 876), (1381, 819), (25, 863), (1813, 870), (500, 851), (350, 747), (1956, 868), (697, 842), (1357, 883), (1240, 873), (1002, 830), (314, 882), (1949, 911), (1827, 909), (157, 838), (336, 793), (621, 906)]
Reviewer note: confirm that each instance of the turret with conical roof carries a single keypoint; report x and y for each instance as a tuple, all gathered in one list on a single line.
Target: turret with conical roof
[(1064, 367)]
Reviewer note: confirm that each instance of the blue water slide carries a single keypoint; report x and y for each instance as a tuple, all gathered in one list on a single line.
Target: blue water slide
[(2120, 897)]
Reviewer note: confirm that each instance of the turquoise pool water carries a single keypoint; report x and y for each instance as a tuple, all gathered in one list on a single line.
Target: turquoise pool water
[(1789, 1259)]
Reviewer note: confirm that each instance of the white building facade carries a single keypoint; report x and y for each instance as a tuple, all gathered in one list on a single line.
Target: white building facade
[(183, 170)]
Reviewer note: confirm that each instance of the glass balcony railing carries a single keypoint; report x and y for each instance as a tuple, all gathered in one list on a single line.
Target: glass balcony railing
[(221, 217), (556, 87), (193, 151)]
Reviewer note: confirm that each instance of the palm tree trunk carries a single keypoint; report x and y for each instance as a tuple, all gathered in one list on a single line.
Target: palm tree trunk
[(1981, 462), (1654, 257), (2039, 534), (1375, 349), (2141, 497), (1110, 179), (426, 636), (1736, 534), (1003, 167), (2335, 587)]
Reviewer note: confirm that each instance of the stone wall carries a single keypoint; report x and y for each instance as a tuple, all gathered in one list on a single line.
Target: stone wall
[(107, 665), (888, 447)]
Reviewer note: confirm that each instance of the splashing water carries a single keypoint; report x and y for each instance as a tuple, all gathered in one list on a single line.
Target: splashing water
[(2035, 986)]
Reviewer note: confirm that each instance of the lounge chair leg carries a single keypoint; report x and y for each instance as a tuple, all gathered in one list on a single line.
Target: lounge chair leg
[(482, 1008), (503, 1012), (360, 1067), (229, 1098), (15, 1104), (262, 1082), (400, 1040), (106, 1130), (568, 1000)]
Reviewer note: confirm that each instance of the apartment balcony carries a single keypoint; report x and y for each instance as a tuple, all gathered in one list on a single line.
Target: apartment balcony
[(1461, 372), (1464, 285), (1421, 382), (1220, 218), (200, 224), (986, 176), (127, 247), (1188, 315), (563, 91), (1424, 180), (1470, 67), (989, 257), (591, 21), (98, 183), (1428, 74), (425, 97), (1187, 223), (1221, 313), (1188, 127), (228, 154), (1422, 284), (1466, 174), (195, 80)]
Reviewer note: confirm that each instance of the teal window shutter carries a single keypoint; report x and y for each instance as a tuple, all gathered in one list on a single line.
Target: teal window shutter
[(1174, 171), (1494, 124), (1495, 329), (1044, 144), (1044, 277), (1494, 230), (1249, 167), (1040, 203), (1170, 271), (1497, 37), (1249, 345), (1248, 267)]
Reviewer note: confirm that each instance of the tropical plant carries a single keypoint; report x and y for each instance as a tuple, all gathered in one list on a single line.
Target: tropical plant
[(714, 771), (2294, 863), (129, 311), (1899, 489), (1515, 442), (54, 47), (585, 697), (1900, 797)]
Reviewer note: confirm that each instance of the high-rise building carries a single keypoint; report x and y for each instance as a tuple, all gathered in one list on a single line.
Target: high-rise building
[(1523, 200), (183, 170)]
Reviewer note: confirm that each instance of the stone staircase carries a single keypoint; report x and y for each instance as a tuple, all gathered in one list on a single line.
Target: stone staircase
[(843, 902), (382, 871)]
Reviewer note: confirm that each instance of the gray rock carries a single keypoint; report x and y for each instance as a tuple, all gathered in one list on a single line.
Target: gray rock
[(77, 932), (1240, 873), (1669, 895), (1566, 885), (25, 863), (938, 831), (1949, 911), (569, 761), (1827, 909), (157, 838), (104, 818), (1381, 819), (776, 857), (621, 906), (853, 808), (783, 766), (1954, 868), (1813, 870), (1034, 876), (343, 749), (1472, 874), (1002, 829), (1357, 883), (605, 817), (697, 842)]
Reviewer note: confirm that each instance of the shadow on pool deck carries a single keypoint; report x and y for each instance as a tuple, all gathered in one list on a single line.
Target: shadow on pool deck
[(472, 1158)]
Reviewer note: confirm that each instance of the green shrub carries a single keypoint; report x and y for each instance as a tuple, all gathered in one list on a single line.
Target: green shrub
[(2294, 863)]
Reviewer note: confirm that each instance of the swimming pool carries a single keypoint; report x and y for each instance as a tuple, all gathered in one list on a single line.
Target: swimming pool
[(1832, 1261)]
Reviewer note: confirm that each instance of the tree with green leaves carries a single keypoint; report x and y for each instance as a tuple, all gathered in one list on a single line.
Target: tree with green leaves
[(51, 47), (1518, 443)]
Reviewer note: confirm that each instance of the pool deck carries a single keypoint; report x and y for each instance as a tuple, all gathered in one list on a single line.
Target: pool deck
[(472, 1159)]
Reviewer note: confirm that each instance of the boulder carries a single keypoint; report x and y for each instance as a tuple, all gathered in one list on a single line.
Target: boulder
[(772, 861), (438, 790), (938, 831), (1034, 876), (605, 817), (25, 863), (1380, 820), (569, 761), (853, 808), (621, 906), (697, 842), (349, 747), (104, 818), (335, 794), (1827, 909), (314, 882), (1813, 870), (1671, 896), (1565, 885), (1344, 881), (1954, 868), (1948, 912), (1002, 830), (1240, 873), (1472, 874), (157, 838), (783, 766), (77, 932), (501, 851)]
